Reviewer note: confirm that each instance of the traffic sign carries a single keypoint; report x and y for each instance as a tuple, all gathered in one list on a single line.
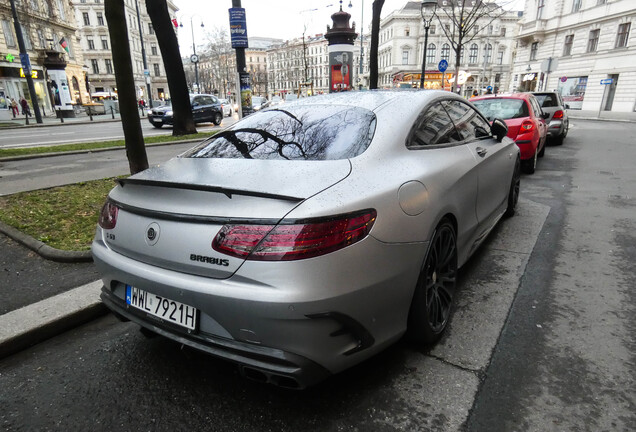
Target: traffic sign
[(26, 63), (607, 81), (442, 66), (564, 79), (489, 88)]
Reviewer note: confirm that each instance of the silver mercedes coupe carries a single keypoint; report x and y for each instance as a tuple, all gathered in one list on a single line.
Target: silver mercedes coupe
[(309, 236)]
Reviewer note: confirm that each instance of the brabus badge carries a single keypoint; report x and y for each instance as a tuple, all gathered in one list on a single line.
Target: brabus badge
[(152, 234)]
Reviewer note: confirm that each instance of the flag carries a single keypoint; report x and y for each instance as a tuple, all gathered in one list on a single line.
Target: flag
[(65, 45), (175, 23)]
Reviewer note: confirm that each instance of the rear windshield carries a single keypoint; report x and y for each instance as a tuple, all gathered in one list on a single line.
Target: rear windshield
[(502, 108), (547, 100), (315, 132)]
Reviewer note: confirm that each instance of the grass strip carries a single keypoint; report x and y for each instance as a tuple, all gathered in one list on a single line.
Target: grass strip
[(97, 145), (63, 217)]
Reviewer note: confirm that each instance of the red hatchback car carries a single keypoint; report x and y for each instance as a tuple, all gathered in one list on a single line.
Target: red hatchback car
[(525, 119)]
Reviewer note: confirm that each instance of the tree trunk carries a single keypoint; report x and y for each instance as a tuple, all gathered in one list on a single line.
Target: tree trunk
[(118, 30), (375, 38), (169, 46)]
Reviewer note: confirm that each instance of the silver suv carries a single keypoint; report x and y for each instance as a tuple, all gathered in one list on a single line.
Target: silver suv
[(558, 122)]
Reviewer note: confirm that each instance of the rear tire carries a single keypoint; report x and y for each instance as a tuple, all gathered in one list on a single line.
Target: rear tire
[(559, 139), (513, 194), (530, 165), (433, 297)]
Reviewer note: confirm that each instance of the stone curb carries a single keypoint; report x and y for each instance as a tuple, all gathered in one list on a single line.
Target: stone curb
[(58, 123), (602, 119), (44, 250), (32, 324)]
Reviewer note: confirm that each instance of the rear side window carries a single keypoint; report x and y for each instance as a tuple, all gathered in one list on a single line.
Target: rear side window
[(316, 132), (469, 124), (503, 108), (547, 100), (434, 127)]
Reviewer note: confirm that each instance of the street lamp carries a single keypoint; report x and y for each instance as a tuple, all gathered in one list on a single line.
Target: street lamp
[(361, 43), (194, 58), (428, 13)]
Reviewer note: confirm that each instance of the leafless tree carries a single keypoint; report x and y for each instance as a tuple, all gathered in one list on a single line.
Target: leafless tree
[(467, 17)]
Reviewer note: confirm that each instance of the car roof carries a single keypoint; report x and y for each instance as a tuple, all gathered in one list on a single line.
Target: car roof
[(374, 99), (524, 96)]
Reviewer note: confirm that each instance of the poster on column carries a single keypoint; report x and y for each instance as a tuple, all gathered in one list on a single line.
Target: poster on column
[(341, 68), (60, 90)]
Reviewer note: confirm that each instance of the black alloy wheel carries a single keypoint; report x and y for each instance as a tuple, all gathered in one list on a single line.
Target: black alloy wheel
[(513, 194), (433, 297), (218, 118)]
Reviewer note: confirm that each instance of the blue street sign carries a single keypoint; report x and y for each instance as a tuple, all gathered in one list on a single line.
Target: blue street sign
[(442, 66), (489, 88), (238, 27), (24, 59), (606, 81)]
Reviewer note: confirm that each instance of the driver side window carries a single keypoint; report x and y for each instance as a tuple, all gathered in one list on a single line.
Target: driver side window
[(434, 127), (468, 122)]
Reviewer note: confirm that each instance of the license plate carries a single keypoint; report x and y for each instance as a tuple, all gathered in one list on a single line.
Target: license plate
[(161, 307)]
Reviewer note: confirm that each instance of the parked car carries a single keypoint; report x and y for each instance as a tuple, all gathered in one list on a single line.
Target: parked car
[(525, 120), (226, 106), (205, 108), (558, 121), (300, 242), (276, 100), (259, 102), (291, 97)]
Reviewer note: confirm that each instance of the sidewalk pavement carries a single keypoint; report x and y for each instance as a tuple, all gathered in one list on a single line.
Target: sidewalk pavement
[(36, 322)]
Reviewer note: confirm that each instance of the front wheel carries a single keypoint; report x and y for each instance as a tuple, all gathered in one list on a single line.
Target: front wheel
[(435, 289), (218, 118), (513, 193)]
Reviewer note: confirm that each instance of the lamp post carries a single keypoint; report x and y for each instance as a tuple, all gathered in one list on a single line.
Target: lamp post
[(194, 58), (361, 43), (143, 56), (428, 13)]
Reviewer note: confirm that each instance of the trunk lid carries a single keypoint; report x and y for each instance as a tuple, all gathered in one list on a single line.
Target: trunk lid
[(169, 215)]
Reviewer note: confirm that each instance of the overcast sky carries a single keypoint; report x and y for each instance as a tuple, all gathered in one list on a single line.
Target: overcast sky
[(283, 19)]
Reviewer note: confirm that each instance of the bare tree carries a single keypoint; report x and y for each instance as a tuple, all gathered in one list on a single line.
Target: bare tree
[(115, 12), (169, 46), (375, 38), (466, 17)]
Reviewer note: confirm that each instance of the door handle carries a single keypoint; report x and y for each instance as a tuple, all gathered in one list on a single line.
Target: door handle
[(481, 151)]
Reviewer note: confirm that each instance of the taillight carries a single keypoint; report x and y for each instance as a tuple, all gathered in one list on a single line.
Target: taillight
[(108, 215), (526, 126), (558, 115), (294, 241)]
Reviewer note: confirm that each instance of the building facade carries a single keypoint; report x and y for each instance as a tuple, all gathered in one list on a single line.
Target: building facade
[(589, 48), (486, 56), (95, 44), (45, 25)]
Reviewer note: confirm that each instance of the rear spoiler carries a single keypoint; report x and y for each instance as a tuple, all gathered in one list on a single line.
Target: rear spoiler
[(225, 191)]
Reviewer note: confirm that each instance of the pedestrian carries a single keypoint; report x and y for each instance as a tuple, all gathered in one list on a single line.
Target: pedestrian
[(475, 93), (14, 108), (25, 107)]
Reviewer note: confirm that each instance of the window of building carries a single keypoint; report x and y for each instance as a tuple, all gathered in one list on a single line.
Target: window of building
[(405, 57), (153, 49), (26, 36), (95, 65), (69, 45), (600, 2), (576, 5), (445, 52), (41, 39), (490, 29), (109, 66), (150, 29), (156, 68), (35, 5), (407, 32), (623, 35), (533, 50), (100, 19), (503, 31), (91, 44), (472, 56), (500, 57), (432, 30), (87, 19), (567, 45), (430, 53), (540, 7), (592, 42), (60, 8), (487, 53), (105, 44)]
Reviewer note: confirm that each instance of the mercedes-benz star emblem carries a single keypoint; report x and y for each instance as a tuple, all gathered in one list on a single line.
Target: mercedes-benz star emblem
[(152, 234)]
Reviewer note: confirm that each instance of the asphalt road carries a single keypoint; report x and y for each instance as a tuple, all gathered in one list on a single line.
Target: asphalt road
[(74, 133), (542, 338)]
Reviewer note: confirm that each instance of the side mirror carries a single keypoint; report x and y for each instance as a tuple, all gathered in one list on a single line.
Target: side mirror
[(499, 129), (545, 115), (567, 106)]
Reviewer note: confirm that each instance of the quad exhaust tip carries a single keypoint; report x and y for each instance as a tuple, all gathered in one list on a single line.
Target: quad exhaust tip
[(270, 378)]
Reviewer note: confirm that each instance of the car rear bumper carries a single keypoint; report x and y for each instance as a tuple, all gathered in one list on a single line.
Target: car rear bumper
[(556, 128), (526, 148), (319, 323)]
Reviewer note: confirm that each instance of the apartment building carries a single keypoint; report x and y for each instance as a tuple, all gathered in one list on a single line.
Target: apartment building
[(589, 48), (46, 25)]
